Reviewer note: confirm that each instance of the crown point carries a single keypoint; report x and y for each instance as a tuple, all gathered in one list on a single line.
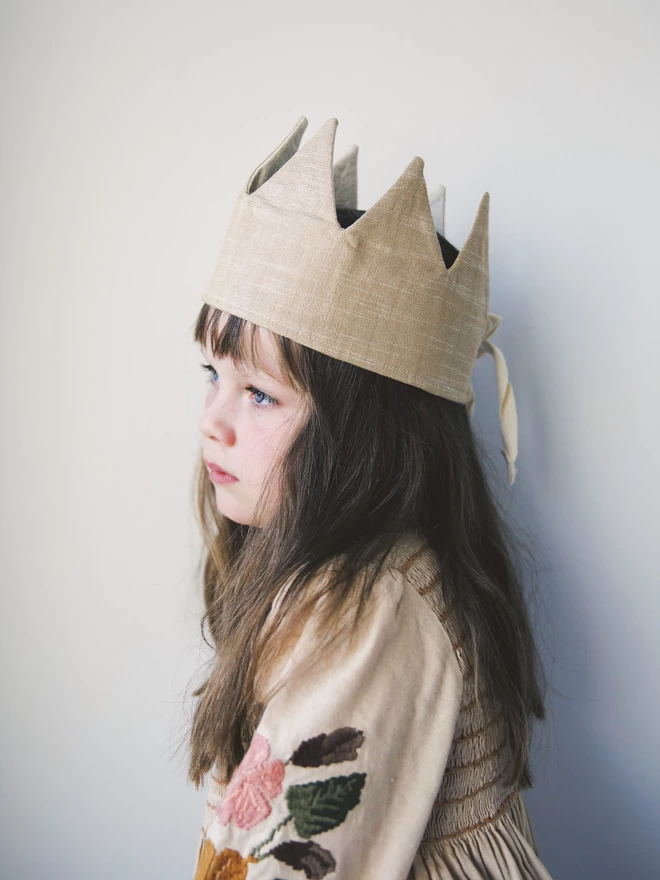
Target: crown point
[(484, 205)]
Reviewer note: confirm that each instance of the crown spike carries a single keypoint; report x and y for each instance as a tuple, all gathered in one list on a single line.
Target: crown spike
[(303, 181), (403, 210), (280, 155), (474, 252), (345, 179), (437, 200)]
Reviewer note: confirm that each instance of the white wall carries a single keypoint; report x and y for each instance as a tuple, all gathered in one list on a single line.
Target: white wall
[(128, 129)]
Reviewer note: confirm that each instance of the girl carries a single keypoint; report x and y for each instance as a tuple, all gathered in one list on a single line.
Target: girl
[(370, 704)]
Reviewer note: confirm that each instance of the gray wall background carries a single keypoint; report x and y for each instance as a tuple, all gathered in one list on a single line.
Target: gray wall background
[(128, 129)]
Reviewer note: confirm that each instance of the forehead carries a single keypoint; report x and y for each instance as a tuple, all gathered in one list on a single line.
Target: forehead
[(254, 352)]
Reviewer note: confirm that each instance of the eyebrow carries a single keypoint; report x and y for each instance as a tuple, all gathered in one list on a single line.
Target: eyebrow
[(247, 370), (274, 377)]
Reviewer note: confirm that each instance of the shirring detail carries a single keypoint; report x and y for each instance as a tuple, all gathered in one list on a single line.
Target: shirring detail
[(472, 793)]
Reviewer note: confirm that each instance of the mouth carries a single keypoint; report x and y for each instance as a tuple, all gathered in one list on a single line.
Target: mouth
[(217, 474)]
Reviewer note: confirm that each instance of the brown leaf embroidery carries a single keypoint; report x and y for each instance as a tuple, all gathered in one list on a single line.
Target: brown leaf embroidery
[(309, 857), (329, 748)]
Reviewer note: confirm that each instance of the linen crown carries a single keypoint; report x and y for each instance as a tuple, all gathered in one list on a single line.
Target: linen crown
[(376, 294)]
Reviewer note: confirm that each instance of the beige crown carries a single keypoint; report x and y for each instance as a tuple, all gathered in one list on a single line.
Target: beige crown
[(376, 294)]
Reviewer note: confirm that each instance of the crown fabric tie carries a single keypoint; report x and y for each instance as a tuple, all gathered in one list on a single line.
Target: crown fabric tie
[(507, 402)]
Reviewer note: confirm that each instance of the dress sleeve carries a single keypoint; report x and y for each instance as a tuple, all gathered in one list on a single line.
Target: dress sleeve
[(345, 764)]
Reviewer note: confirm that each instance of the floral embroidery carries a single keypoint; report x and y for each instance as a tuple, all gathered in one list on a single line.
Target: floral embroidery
[(226, 865), (314, 807), (319, 806), (255, 783), (329, 748), (309, 857)]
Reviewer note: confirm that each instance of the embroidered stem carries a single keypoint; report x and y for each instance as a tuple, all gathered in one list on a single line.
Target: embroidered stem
[(269, 838)]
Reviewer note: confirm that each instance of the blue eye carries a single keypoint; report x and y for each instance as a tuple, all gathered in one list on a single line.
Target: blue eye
[(211, 370), (265, 399)]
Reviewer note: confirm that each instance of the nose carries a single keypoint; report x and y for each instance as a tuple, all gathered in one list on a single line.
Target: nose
[(215, 422)]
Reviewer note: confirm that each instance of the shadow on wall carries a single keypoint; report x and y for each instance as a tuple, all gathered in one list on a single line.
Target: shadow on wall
[(590, 821)]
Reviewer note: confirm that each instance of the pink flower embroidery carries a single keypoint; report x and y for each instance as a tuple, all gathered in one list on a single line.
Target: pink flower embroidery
[(255, 782)]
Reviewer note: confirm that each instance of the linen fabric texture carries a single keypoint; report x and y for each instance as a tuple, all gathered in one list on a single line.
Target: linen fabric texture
[(376, 294)]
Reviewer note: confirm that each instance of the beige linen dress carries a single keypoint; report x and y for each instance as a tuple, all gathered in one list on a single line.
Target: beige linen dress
[(377, 764)]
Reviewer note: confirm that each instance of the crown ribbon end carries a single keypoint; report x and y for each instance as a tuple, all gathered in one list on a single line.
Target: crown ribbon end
[(507, 406)]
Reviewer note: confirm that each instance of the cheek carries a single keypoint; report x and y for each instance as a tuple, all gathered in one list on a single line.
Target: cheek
[(273, 436), (273, 439)]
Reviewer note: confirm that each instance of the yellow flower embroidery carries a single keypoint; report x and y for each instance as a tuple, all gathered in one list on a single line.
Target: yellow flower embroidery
[(225, 865)]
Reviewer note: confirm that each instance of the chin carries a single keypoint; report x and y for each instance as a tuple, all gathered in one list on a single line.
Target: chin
[(238, 516)]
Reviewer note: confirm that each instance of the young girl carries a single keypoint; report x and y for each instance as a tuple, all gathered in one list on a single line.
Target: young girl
[(370, 704)]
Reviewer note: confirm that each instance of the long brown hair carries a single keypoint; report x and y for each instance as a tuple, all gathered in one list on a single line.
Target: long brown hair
[(375, 458)]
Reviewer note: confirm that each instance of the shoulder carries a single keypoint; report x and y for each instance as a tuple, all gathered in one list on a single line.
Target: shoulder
[(405, 622), (399, 650), (402, 626), (408, 588), (414, 564)]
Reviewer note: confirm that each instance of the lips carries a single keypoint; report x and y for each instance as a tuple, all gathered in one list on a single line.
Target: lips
[(216, 468)]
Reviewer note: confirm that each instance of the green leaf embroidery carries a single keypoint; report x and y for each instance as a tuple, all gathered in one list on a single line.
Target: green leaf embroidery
[(322, 805)]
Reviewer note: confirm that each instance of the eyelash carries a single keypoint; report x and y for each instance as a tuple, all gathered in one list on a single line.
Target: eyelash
[(251, 388)]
